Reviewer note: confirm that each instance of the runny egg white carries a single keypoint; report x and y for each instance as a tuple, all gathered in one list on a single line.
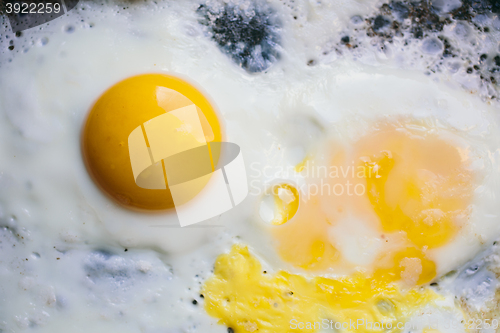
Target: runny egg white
[(367, 184)]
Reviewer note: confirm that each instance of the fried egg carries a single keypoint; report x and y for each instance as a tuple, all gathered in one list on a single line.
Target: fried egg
[(371, 183), (381, 201)]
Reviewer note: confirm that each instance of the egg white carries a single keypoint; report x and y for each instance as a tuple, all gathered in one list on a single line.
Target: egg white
[(48, 198)]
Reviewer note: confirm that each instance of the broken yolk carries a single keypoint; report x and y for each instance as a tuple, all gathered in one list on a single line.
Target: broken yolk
[(283, 201), (420, 186), (246, 299), (409, 266), (121, 109), (412, 191)]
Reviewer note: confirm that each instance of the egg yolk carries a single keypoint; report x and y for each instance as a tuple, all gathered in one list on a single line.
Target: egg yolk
[(409, 266), (123, 108), (284, 202), (420, 187), (413, 191), (246, 299)]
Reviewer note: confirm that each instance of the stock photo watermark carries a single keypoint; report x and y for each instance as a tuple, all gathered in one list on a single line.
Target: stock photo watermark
[(362, 324), (26, 14), (333, 180)]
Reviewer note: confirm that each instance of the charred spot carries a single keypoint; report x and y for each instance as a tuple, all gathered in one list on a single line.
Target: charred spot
[(448, 49), (497, 60), (249, 37), (399, 10), (379, 23)]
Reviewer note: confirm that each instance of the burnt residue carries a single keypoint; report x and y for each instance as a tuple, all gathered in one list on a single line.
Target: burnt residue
[(446, 37), (417, 18), (249, 37)]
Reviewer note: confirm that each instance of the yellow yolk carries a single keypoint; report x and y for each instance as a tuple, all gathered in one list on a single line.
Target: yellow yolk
[(121, 109), (246, 299), (417, 191), (419, 187), (408, 265), (285, 202)]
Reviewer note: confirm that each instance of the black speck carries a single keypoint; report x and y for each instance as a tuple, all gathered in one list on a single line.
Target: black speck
[(230, 330), (11, 47), (195, 302), (434, 284), (417, 32), (469, 70), (472, 269), (448, 49), (201, 295), (476, 67), (345, 40), (385, 9), (379, 23), (497, 60), (311, 62), (399, 10), (265, 272), (126, 250), (483, 57), (19, 33)]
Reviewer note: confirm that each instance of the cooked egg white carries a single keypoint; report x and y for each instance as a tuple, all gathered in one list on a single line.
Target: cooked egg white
[(72, 258)]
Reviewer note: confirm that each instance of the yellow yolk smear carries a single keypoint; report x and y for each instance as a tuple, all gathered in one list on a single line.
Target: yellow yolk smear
[(396, 193), (420, 186), (129, 105), (246, 299)]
